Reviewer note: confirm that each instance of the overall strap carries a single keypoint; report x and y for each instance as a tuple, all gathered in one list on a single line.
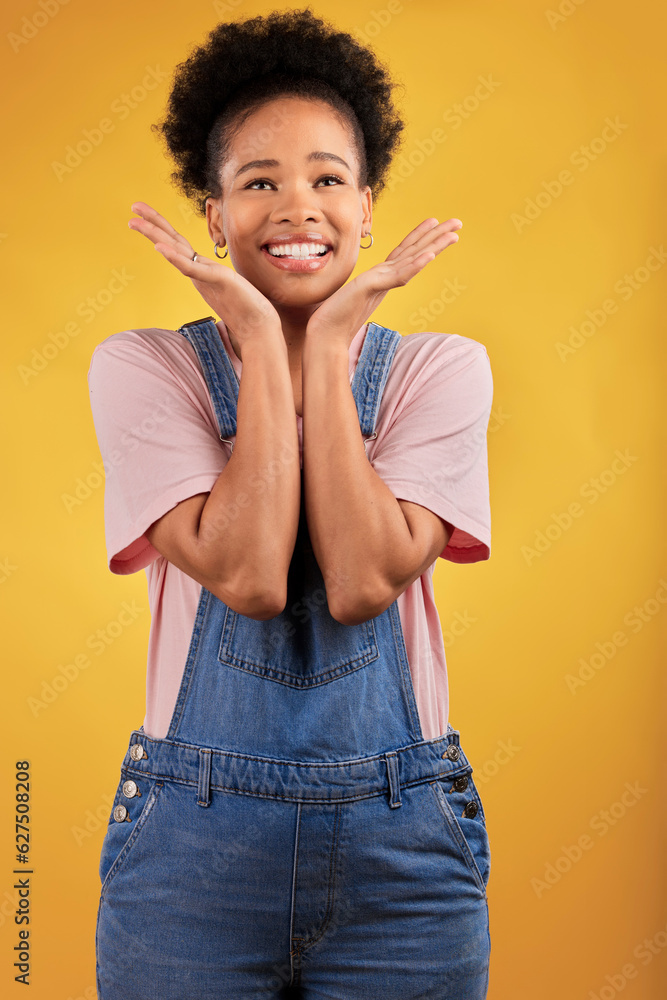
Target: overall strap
[(221, 379), (368, 382), (372, 372)]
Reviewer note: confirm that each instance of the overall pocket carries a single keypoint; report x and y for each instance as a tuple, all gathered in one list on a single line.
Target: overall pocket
[(302, 647), (133, 805), (461, 806)]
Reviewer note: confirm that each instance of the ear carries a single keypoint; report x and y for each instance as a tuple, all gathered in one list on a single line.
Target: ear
[(367, 204), (214, 220)]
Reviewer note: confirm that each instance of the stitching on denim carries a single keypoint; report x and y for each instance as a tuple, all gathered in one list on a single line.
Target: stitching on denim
[(311, 681), (204, 781), (192, 782), (393, 776), (368, 652), (333, 854), (132, 839), (408, 688), (188, 670), (436, 744), (206, 341), (459, 835), (295, 966)]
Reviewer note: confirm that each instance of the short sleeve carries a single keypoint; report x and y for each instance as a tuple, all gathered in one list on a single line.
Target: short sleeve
[(434, 453), (156, 434)]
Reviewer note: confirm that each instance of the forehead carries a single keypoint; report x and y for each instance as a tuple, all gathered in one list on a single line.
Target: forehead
[(291, 124)]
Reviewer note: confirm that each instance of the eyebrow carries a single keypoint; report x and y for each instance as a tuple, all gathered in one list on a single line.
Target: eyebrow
[(257, 164)]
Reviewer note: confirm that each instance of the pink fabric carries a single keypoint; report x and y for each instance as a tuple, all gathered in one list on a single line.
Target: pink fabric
[(159, 442)]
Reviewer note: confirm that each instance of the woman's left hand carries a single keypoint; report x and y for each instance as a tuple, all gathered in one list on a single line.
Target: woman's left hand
[(341, 315)]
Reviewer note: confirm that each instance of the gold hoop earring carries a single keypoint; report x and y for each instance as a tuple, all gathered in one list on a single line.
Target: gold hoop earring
[(220, 256), (370, 244)]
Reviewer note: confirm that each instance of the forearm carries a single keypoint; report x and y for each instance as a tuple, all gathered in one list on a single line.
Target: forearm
[(250, 519), (350, 511)]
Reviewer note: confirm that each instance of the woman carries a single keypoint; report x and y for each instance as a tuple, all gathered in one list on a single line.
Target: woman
[(296, 817)]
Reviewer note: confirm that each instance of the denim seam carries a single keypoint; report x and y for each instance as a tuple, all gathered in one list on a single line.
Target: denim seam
[(203, 336), (188, 670), (336, 673), (307, 943), (393, 778), (140, 823), (436, 744), (204, 782), (295, 953), (413, 713), (192, 782), (459, 836)]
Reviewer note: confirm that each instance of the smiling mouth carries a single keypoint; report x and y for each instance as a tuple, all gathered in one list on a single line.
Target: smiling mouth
[(285, 256), (298, 265)]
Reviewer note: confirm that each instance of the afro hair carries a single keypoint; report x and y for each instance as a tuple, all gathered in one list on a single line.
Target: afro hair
[(246, 63)]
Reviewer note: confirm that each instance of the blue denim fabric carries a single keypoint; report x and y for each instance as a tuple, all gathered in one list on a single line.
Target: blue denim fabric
[(293, 835)]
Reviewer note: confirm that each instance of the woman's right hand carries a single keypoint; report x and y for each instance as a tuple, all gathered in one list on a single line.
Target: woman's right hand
[(241, 306)]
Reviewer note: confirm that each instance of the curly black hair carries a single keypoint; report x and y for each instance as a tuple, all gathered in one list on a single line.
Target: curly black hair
[(246, 63)]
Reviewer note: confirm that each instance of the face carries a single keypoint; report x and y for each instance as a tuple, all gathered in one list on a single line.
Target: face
[(310, 199)]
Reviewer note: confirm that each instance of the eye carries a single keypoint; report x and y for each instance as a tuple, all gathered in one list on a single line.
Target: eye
[(262, 180)]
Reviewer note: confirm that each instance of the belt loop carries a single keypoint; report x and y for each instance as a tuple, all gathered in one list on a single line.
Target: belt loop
[(204, 785), (391, 759)]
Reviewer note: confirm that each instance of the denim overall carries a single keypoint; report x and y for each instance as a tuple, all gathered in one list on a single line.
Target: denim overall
[(293, 835)]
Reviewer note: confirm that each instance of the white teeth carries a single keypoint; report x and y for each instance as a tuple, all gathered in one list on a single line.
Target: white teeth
[(297, 250)]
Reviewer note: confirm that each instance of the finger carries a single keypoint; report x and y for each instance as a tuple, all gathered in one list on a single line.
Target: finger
[(187, 254), (153, 216), (392, 274), (413, 237), (154, 232), (425, 235), (432, 242), (434, 233), (154, 226), (199, 269)]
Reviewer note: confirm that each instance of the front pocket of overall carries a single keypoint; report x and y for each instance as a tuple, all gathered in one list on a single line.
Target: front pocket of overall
[(122, 834), (301, 647), (460, 804)]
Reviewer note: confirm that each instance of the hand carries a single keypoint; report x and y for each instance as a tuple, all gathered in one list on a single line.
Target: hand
[(343, 313), (243, 309)]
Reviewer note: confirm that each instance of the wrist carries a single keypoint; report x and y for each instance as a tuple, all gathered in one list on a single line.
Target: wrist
[(269, 341), (329, 343)]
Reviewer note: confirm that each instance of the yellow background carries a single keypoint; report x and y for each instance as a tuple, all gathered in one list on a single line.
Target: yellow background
[(549, 761)]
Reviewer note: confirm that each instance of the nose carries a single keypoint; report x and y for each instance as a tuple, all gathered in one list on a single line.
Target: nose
[(296, 206)]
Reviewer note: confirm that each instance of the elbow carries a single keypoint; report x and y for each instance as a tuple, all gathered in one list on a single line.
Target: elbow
[(263, 606), (259, 606), (358, 606), (259, 603)]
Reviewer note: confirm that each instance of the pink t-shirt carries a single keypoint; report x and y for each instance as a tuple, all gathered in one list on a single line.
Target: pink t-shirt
[(159, 441)]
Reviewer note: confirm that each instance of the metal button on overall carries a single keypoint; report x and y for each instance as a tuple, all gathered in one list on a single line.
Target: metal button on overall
[(452, 752), (120, 813), (470, 810), (130, 789), (460, 784), (137, 751)]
